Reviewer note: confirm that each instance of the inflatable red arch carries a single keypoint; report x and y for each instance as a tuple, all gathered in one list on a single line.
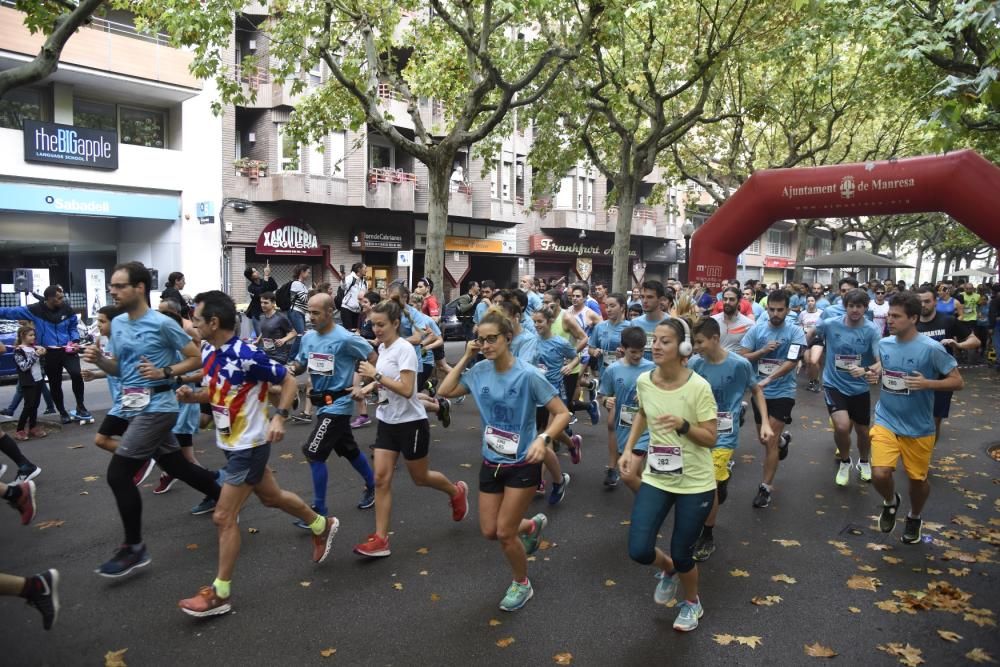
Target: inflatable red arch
[(962, 184)]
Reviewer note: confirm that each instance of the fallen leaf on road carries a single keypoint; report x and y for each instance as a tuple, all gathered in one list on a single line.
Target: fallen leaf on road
[(933, 571), (862, 583), (91, 478), (817, 650), (588, 515), (85, 493), (50, 524), (949, 636), (892, 560), (75, 447), (854, 610), (785, 578), (563, 658), (867, 568), (398, 586), (979, 655), (435, 597), (505, 642), (890, 606), (766, 601), (494, 622), (752, 642), (422, 550), (788, 543), (191, 547), (908, 655), (305, 584), (423, 573), (609, 582), (874, 546), (465, 465), (626, 522), (545, 545), (739, 573), (115, 658), (955, 572), (288, 456), (981, 621), (252, 531), (327, 652)]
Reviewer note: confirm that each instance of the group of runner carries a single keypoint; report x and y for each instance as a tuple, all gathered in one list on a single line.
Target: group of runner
[(674, 392)]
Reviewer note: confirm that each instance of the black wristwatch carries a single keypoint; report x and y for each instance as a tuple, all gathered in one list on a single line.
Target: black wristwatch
[(282, 412), (167, 372), (377, 377), (685, 427)]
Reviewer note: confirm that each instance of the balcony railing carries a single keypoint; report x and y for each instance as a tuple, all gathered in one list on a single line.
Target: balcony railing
[(253, 77), (640, 214), (377, 175)]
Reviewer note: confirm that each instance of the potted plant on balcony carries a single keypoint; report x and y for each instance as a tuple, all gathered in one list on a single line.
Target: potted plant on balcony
[(248, 167)]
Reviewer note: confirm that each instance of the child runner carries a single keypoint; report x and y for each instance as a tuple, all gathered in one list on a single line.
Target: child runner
[(27, 357), (507, 391)]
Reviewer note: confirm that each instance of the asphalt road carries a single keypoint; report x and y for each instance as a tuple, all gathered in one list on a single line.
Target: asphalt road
[(434, 601)]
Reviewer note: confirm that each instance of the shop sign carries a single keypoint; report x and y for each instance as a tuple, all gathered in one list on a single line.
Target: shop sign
[(361, 241), (82, 201), (541, 244), (463, 244), (778, 263), (584, 267), (289, 238), (661, 251), (71, 146)]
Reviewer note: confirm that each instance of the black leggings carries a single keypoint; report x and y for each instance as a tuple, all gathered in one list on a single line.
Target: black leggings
[(29, 413), (121, 474), (10, 448), (570, 385), (55, 360)]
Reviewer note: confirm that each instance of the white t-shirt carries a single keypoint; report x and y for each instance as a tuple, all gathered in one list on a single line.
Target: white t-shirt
[(392, 360), (880, 313)]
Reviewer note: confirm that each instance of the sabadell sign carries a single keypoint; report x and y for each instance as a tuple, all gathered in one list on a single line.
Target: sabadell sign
[(289, 238), (71, 146)]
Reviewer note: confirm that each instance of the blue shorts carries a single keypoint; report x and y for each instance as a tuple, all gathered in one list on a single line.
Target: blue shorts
[(942, 404), (246, 466), (187, 419)]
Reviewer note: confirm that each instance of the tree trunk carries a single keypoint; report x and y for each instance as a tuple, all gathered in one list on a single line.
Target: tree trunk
[(802, 230), (920, 261), (934, 271), (892, 252), (622, 262), (437, 223)]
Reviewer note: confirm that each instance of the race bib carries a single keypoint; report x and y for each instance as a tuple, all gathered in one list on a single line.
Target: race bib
[(894, 382), (268, 343), (666, 459), (503, 443), (135, 398), (844, 362), (627, 415), (724, 422), (766, 367), (220, 414), (650, 337), (320, 364)]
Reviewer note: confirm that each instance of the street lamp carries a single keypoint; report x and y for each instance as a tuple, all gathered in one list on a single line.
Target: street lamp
[(239, 205), (687, 229)]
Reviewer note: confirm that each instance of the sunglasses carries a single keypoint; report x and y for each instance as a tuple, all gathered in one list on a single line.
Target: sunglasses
[(491, 339), (880, 292)]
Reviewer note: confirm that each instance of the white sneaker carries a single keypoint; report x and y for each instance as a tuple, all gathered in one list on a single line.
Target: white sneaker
[(864, 471), (843, 473)]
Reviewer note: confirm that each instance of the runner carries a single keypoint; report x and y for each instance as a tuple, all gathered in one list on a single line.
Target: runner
[(814, 354), (148, 403), (402, 428), (236, 376), (733, 324), (618, 391), (652, 292), (730, 376), (507, 391), (774, 347), (28, 360), (567, 326), (365, 330), (421, 332), (299, 293), (485, 293), (40, 591), (330, 353), (113, 425), (852, 346), (276, 331), (878, 310), (678, 407), (527, 285), (606, 337), (912, 367)]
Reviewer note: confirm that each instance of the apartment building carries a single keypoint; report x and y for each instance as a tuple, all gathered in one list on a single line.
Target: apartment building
[(105, 161), (354, 198)]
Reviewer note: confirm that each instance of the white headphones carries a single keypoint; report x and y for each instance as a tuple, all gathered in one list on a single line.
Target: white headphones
[(685, 348)]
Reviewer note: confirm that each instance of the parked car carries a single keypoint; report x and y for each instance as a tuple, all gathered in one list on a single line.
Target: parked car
[(452, 328), (8, 334)]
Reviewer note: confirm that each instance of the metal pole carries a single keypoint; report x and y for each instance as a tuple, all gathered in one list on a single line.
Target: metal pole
[(687, 259)]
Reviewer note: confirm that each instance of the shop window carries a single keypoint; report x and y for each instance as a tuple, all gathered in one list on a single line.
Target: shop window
[(19, 105), (142, 127), (94, 115), (289, 150)]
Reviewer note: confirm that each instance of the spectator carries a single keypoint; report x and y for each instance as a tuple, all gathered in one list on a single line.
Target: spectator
[(255, 287)]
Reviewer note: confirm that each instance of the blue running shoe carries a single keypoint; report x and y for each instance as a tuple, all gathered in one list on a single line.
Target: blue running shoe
[(666, 588), (559, 490), (532, 541), (124, 562), (687, 617), (517, 596), (594, 410)]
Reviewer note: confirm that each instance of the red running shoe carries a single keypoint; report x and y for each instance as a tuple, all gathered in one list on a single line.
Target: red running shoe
[(375, 547), (459, 503)]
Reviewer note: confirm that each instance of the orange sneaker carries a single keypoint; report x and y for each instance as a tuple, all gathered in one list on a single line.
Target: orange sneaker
[(323, 541), (374, 547), (460, 502), (205, 603)]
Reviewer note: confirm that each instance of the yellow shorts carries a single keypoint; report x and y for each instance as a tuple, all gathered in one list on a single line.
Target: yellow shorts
[(887, 448), (721, 457)]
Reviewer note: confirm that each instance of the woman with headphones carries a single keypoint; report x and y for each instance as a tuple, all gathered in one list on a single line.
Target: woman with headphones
[(679, 410)]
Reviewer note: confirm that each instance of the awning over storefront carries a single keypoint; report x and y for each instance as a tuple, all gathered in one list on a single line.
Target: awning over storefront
[(85, 201)]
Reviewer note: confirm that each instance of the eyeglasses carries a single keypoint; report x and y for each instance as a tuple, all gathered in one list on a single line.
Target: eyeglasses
[(491, 339)]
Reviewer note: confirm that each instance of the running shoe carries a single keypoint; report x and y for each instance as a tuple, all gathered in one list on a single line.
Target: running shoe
[(3, 469), (37, 432), (460, 399), (594, 410), (460, 502), (165, 484), (25, 503), (575, 449), (7, 412), (843, 472), (540, 489), (206, 506), (65, 418), (26, 473), (912, 530), (687, 617), (367, 498), (572, 419), (783, 441), (865, 471), (517, 596), (703, 549), (373, 547), (559, 490), (323, 541), (44, 596), (763, 497), (589, 384), (887, 518), (142, 473), (49, 410), (82, 415), (124, 561), (532, 541), (743, 412), (666, 588), (21, 435), (611, 478), (205, 603), (444, 411), (360, 421), (299, 523)]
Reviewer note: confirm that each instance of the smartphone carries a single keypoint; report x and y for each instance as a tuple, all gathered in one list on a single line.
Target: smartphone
[(794, 350)]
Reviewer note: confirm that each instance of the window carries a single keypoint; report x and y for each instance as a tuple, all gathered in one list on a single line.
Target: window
[(379, 157), (777, 243), (590, 195), (581, 193), (18, 105), (754, 248), (142, 127), (564, 198), (289, 150), (505, 179), (94, 115), (316, 160), (338, 143), (315, 74)]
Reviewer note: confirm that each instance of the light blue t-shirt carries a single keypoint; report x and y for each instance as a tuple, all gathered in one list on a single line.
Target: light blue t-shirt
[(553, 353), (534, 303), (524, 346), (758, 310), (787, 334), (822, 303), (830, 312), (910, 412), (428, 358), (330, 359), (507, 404), (649, 326), (607, 337), (414, 319), (619, 380), (155, 337), (730, 380), (847, 345), (797, 301), (481, 309)]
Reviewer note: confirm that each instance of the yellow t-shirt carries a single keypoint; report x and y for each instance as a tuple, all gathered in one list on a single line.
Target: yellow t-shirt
[(673, 462)]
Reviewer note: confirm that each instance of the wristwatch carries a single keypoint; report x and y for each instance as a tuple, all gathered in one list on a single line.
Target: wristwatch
[(547, 439), (282, 412), (685, 427), (378, 377), (167, 372)]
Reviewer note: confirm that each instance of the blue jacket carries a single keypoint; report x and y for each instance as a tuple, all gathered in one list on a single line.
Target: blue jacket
[(53, 328)]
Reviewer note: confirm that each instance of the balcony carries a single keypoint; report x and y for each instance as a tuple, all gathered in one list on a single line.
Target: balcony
[(563, 218), (644, 219), (394, 106), (391, 189), (460, 201), (510, 211), (256, 86), (285, 186)]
